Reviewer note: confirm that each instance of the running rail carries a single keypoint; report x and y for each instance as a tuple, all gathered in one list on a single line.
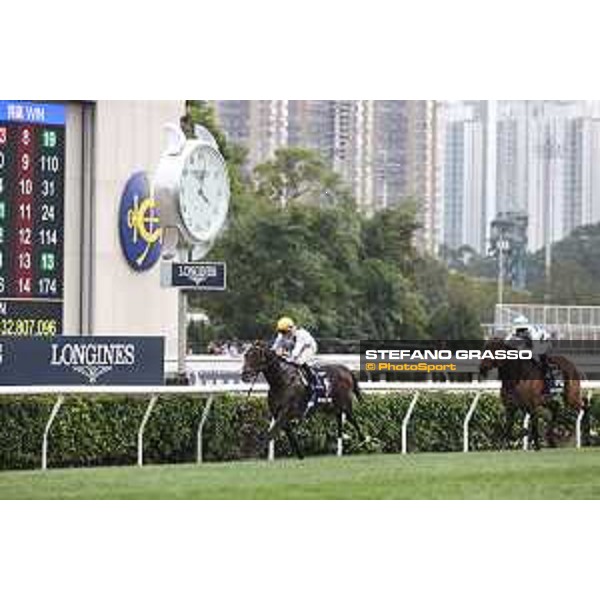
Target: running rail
[(208, 391), (468, 420)]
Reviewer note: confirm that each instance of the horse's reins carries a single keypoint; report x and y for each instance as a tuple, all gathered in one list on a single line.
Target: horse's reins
[(269, 362)]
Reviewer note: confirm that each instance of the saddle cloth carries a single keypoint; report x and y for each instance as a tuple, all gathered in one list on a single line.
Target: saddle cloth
[(323, 386), (557, 382)]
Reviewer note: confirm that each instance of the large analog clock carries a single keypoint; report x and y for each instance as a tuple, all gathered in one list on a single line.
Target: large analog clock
[(191, 187), (204, 193)]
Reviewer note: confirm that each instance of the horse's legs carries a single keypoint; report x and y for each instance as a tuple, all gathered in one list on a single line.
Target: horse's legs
[(510, 410), (275, 427), (293, 440), (339, 418), (535, 433), (553, 407)]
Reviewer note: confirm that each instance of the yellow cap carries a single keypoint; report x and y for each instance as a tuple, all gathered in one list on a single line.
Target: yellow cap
[(284, 324)]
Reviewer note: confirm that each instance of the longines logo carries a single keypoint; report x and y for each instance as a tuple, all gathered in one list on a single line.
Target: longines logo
[(92, 360), (197, 273)]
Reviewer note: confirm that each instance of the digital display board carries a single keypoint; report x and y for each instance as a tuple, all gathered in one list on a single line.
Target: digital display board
[(32, 181)]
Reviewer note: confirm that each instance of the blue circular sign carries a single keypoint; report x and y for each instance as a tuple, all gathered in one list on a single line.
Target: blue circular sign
[(139, 223)]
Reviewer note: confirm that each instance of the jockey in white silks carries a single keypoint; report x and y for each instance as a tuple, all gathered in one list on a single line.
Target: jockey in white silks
[(298, 346), (536, 339)]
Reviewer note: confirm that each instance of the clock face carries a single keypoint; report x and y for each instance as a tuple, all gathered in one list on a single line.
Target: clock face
[(204, 193)]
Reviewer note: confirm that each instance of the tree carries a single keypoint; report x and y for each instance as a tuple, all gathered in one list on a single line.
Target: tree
[(393, 309), (465, 259), (459, 315), (575, 269), (455, 321), (298, 261), (389, 235), (299, 175)]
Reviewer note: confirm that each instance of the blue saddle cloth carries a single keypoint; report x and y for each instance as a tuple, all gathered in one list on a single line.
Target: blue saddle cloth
[(321, 383)]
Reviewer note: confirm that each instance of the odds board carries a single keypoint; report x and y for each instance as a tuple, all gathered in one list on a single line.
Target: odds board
[(32, 181)]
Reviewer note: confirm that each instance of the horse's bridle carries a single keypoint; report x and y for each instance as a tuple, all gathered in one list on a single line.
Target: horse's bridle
[(267, 362)]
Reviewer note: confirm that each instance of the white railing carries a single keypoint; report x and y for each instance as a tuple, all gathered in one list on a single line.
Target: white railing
[(209, 391), (232, 365)]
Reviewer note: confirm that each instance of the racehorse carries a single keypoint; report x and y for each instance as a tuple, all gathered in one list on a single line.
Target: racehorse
[(288, 392), (523, 387)]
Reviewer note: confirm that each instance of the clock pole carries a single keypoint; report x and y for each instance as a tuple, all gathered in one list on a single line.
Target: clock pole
[(191, 187), (182, 311)]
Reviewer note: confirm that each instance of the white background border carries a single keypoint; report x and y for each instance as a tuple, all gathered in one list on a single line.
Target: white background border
[(309, 49)]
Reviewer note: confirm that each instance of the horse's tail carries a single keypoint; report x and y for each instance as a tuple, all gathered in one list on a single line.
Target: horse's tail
[(356, 388), (572, 380), (574, 395)]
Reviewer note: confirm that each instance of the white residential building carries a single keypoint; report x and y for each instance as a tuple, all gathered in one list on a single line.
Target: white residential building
[(384, 150)]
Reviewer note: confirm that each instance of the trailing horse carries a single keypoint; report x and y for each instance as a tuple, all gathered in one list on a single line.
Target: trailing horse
[(288, 392), (523, 387)]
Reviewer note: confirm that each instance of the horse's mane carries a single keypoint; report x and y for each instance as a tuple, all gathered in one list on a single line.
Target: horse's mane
[(268, 352)]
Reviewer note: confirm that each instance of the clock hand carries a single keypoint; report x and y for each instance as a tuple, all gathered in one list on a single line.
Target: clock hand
[(203, 195), (200, 176)]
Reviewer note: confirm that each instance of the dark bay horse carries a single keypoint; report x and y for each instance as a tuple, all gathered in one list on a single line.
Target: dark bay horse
[(523, 387), (288, 392)]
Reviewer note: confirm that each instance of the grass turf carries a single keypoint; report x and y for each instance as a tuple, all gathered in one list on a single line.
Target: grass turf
[(550, 474)]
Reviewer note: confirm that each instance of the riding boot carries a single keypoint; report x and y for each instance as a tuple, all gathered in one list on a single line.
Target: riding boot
[(311, 405)]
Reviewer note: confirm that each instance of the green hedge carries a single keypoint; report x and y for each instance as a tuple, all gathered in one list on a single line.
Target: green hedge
[(103, 430)]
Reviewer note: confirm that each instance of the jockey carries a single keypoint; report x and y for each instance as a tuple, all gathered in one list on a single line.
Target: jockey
[(523, 330), (298, 346)]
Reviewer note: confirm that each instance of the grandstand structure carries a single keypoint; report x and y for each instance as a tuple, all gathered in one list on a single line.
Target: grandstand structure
[(564, 322)]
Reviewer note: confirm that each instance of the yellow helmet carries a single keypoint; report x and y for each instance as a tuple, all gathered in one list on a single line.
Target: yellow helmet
[(284, 324)]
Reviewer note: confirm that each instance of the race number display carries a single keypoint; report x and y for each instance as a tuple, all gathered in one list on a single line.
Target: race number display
[(32, 179)]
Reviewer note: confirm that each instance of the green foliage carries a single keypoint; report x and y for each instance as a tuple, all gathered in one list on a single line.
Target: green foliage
[(457, 316), (575, 269), (389, 235), (395, 308), (103, 430), (575, 274), (298, 175)]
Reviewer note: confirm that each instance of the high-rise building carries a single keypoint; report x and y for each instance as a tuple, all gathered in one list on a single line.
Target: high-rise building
[(260, 125), (311, 125), (518, 157), (404, 157), (384, 150), (402, 149), (353, 148), (464, 177), (511, 157), (563, 190)]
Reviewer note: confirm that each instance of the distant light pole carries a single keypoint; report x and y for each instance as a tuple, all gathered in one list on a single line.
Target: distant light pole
[(552, 152), (502, 245)]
